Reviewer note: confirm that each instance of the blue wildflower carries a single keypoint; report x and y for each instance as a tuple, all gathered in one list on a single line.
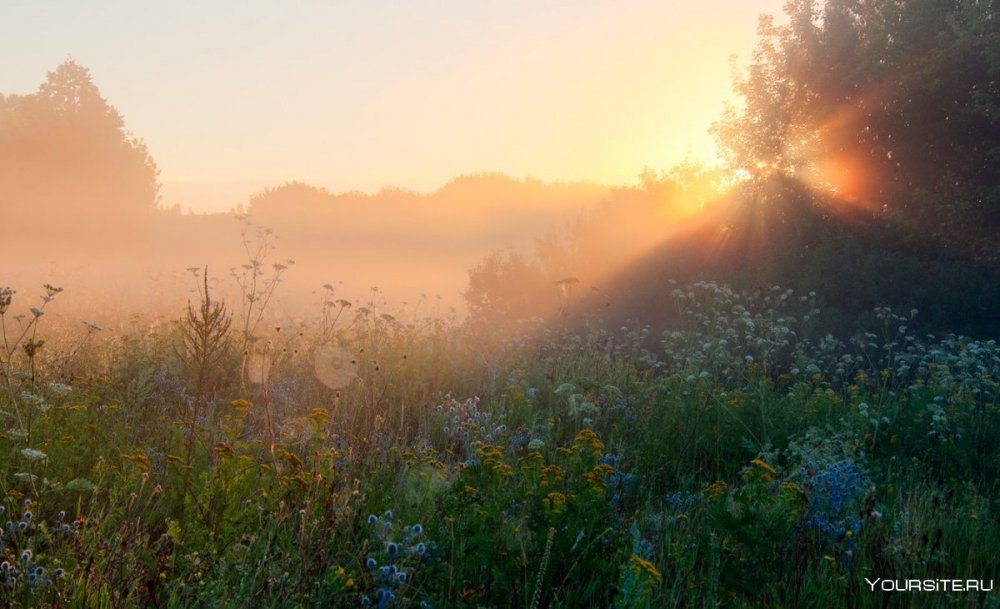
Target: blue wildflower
[(836, 491)]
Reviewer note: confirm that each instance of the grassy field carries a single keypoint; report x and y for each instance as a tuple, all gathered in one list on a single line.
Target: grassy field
[(363, 459)]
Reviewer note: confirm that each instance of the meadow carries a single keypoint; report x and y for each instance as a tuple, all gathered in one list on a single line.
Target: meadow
[(362, 459), (765, 376)]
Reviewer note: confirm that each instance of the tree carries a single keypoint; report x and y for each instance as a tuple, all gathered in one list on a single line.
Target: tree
[(66, 157), (890, 104)]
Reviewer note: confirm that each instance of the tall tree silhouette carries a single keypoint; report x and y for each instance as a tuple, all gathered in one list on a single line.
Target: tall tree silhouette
[(893, 105), (66, 158)]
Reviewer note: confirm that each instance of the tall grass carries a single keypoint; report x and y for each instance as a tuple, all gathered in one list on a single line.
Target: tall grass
[(740, 460)]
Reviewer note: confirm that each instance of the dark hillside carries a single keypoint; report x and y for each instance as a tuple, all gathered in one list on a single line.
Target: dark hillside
[(796, 239)]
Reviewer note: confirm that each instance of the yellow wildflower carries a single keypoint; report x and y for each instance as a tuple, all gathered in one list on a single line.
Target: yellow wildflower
[(588, 439), (718, 488), (242, 407), (768, 471), (641, 565), (554, 502)]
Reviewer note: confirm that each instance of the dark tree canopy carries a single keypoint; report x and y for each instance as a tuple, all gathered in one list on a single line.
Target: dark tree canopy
[(890, 104), (66, 158)]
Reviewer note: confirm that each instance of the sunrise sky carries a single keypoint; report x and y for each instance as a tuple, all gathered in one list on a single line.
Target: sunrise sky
[(232, 96)]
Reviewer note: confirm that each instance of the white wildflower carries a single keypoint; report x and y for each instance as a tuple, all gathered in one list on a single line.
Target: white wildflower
[(33, 455), (59, 388)]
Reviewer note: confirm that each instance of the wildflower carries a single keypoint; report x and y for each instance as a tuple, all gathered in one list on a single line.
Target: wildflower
[(796, 490), (27, 516), (59, 572), (640, 565), (417, 529), (372, 519), (387, 515), (241, 406), (588, 439), (33, 455), (717, 488), (421, 548), (554, 501), (37, 312), (401, 576), (26, 555), (371, 563), (59, 388), (6, 295), (392, 548), (762, 469)]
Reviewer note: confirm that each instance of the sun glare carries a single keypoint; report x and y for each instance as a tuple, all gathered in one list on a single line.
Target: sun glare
[(844, 176)]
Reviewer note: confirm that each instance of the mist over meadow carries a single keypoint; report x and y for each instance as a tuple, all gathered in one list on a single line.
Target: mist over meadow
[(765, 376)]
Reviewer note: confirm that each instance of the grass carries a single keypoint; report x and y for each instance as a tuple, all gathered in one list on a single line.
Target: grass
[(743, 460)]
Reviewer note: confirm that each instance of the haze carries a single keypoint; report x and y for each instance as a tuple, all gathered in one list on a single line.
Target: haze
[(232, 97)]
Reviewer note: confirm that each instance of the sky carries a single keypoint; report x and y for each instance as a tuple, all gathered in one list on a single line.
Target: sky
[(233, 96)]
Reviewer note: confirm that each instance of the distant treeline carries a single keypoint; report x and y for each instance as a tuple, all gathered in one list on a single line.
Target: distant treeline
[(864, 165)]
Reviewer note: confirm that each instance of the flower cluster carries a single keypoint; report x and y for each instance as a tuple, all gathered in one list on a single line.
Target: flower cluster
[(394, 563), (21, 566), (465, 423), (835, 491), (622, 485)]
